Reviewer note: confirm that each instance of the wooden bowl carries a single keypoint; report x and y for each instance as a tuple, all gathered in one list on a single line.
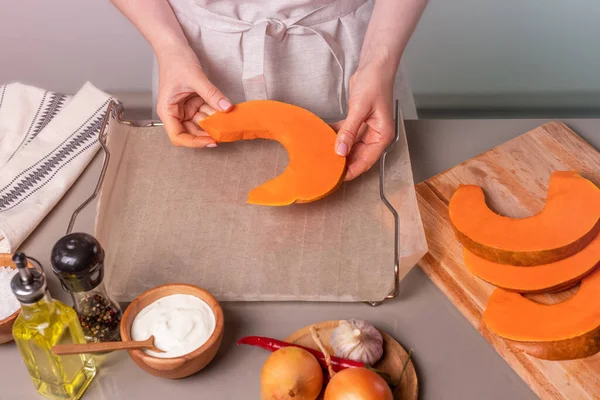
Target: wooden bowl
[(7, 323), (176, 367)]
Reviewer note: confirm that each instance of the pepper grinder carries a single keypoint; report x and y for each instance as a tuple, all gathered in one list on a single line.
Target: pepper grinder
[(78, 261)]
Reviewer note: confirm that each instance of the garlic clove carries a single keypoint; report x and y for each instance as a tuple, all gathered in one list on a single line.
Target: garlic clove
[(357, 340)]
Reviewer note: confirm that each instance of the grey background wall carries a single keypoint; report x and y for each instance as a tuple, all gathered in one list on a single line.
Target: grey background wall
[(466, 56), (59, 44), (540, 56)]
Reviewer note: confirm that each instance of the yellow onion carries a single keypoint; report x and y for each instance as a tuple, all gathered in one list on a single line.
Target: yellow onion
[(358, 384), (291, 373)]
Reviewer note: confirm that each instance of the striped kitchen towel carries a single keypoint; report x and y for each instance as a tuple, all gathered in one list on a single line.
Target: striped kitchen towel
[(47, 139)]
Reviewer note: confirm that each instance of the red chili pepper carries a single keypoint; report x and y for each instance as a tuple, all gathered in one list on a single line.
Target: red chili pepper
[(266, 343)]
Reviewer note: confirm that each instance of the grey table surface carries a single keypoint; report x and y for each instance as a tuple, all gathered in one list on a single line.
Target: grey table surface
[(452, 360)]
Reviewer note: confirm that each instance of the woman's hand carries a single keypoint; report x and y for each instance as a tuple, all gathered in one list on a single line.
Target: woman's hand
[(185, 97), (369, 127), (371, 87)]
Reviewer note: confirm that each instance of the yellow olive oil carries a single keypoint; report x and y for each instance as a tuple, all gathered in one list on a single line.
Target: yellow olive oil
[(40, 326)]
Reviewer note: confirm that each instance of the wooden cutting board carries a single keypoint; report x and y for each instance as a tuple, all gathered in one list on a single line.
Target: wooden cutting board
[(515, 178)]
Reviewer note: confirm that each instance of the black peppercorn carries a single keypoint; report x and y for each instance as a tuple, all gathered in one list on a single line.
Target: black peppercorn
[(98, 317)]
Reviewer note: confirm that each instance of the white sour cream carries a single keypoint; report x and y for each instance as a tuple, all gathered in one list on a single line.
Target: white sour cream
[(180, 323)]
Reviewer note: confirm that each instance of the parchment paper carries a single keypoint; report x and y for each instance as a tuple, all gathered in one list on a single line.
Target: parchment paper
[(169, 214)]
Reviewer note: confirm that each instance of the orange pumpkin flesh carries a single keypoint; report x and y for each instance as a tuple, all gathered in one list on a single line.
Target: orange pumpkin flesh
[(314, 169), (555, 276), (561, 331), (569, 221)]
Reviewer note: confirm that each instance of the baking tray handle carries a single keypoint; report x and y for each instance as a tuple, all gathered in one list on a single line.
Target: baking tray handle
[(399, 127), (113, 111)]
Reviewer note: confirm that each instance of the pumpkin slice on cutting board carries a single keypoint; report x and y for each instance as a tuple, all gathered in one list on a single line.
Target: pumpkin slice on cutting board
[(314, 169), (555, 276), (569, 221), (563, 331)]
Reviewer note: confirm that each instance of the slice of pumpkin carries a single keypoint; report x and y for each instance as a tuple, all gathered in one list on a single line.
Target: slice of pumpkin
[(314, 169), (569, 221), (561, 331), (555, 276)]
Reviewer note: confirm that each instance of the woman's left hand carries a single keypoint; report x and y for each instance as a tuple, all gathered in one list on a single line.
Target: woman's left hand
[(369, 127)]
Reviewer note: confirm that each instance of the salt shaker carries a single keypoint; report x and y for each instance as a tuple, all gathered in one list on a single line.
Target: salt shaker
[(78, 261)]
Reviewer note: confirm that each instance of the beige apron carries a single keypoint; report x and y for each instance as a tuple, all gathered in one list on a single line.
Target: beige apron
[(301, 52)]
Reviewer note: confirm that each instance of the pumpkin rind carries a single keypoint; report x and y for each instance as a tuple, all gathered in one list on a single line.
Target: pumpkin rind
[(569, 221), (559, 275), (314, 169), (565, 330), (578, 347)]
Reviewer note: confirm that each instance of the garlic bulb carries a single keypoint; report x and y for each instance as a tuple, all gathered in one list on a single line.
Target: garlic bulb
[(357, 340)]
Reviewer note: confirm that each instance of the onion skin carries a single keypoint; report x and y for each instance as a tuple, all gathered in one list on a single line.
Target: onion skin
[(291, 373), (358, 384)]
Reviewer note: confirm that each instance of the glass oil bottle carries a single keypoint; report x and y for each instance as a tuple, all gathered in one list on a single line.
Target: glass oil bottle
[(43, 323)]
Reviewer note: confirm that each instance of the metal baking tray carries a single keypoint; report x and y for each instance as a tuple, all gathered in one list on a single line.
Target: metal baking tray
[(114, 114)]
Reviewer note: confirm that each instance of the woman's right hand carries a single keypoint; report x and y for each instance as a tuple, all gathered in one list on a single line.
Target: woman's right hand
[(185, 97)]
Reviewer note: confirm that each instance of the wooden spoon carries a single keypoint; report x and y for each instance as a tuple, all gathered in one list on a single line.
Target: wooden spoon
[(63, 349)]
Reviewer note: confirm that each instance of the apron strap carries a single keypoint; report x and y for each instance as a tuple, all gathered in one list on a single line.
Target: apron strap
[(254, 35), (338, 54), (253, 71)]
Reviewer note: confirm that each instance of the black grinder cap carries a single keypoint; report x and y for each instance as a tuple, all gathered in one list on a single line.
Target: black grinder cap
[(78, 261)]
